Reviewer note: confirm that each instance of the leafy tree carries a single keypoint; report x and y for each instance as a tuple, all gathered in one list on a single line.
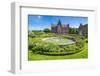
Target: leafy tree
[(46, 30), (73, 30), (76, 30)]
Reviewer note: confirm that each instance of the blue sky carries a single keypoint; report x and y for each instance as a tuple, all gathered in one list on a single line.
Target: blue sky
[(39, 22)]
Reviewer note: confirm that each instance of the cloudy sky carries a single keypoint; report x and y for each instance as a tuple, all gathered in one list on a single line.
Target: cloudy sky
[(39, 22)]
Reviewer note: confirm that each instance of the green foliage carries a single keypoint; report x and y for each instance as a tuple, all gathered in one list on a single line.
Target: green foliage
[(86, 40), (47, 30), (80, 44), (73, 30), (37, 46), (52, 49), (38, 33), (31, 34), (80, 55), (30, 43)]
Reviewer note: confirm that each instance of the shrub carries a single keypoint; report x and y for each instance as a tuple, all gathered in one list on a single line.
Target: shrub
[(31, 45), (80, 44), (37, 48), (70, 48), (51, 49), (86, 40), (46, 30), (31, 34)]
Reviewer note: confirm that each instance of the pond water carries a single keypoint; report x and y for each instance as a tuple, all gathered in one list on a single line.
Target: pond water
[(58, 41)]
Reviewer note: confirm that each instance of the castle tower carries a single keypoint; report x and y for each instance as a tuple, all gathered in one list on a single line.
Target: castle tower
[(59, 22), (59, 27)]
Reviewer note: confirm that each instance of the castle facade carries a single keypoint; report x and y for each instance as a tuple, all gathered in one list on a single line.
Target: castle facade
[(83, 29), (60, 28)]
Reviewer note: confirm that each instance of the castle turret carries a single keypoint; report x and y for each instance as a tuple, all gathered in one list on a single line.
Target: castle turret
[(59, 22)]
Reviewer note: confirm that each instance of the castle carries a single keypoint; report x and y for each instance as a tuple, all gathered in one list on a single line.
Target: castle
[(60, 28), (83, 29)]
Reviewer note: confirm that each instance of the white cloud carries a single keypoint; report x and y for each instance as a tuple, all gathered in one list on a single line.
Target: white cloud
[(75, 26)]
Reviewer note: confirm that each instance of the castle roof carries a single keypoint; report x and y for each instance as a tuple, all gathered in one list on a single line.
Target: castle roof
[(59, 22)]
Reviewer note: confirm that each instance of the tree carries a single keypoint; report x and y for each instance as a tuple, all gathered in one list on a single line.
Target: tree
[(73, 30), (76, 30), (46, 30)]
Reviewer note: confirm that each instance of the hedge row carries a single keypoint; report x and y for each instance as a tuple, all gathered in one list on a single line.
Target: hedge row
[(49, 49)]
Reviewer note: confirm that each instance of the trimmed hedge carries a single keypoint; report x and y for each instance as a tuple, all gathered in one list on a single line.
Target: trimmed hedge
[(50, 49)]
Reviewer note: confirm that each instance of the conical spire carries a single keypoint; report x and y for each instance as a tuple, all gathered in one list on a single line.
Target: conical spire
[(59, 22)]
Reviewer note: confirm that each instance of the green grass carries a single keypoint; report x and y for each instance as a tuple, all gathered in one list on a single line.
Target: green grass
[(58, 40), (80, 55), (39, 36)]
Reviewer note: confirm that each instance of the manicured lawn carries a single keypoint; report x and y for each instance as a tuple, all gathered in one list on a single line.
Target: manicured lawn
[(80, 55), (39, 39), (58, 41)]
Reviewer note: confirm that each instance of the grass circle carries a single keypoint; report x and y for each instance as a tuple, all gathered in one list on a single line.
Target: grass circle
[(58, 41)]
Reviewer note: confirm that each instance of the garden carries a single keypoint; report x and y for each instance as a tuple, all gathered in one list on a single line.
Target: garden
[(44, 45)]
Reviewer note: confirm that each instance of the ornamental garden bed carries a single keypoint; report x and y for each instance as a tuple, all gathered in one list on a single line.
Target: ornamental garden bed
[(55, 45)]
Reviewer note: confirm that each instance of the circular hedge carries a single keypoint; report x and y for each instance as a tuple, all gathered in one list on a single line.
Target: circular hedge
[(37, 45), (54, 50)]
